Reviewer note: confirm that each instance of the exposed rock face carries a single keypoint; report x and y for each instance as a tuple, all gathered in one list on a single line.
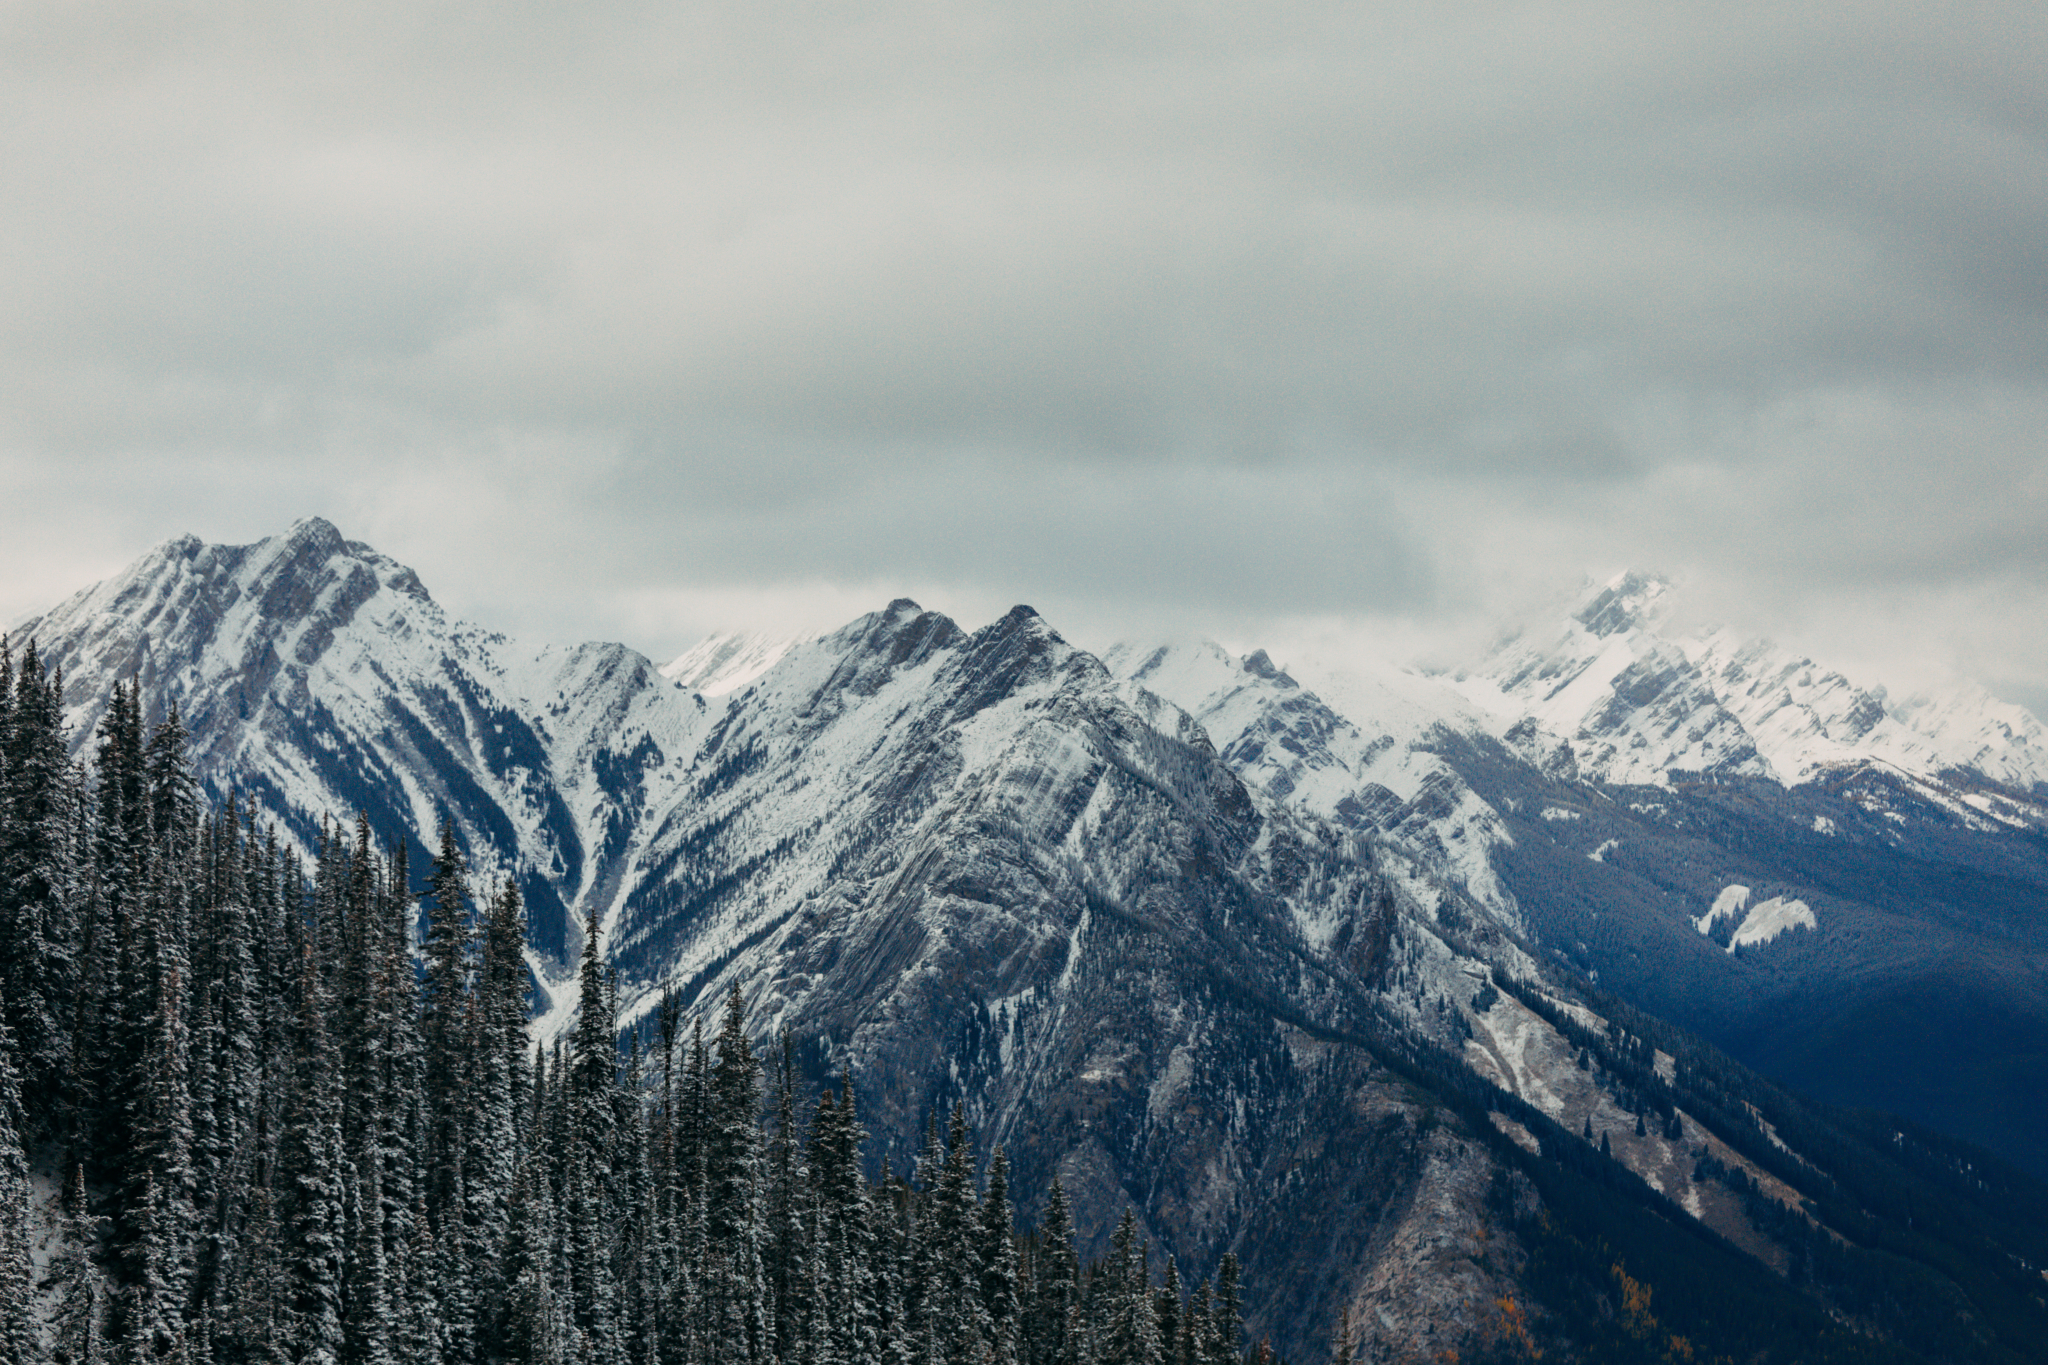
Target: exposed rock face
[(318, 677), (1287, 980), (972, 867)]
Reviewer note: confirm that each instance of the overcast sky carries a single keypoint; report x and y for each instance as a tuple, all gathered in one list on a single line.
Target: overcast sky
[(637, 321)]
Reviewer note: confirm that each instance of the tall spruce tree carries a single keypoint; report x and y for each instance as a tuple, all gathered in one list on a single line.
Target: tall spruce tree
[(17, 1327), (40, 882), (1129, 1320), (960, 1324), (735, 1289), (310, 1185), (997, 1253), (1226, 1334), (588, 1175), (789, 1276), (1050, 1336)]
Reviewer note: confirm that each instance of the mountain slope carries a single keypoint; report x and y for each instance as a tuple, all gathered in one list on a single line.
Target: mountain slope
[(1286, 982), (1382, 778), (1641, 706), (317, 677), (1888, 943)]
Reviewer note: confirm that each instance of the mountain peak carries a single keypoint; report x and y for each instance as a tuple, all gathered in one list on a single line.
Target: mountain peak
[(1624, 602), (316, 533), (1260, 664)]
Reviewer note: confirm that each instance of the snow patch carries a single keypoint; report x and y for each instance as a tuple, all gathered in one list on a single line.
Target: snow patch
[(726, 663), (1771, 918), (1727, 905)]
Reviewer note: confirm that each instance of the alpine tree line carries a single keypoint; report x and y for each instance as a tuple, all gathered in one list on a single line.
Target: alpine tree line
[(299, 1119)]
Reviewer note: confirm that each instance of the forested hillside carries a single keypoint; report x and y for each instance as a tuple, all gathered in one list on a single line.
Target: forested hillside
[(287, 1131), (276, 1098)]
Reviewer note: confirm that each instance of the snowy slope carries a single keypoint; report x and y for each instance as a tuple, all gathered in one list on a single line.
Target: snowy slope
[(1366, 769), (319, 677), (1633, 707), (1974, 731), (729, 661), (1640, 705), (888, 748), (1137, 914)]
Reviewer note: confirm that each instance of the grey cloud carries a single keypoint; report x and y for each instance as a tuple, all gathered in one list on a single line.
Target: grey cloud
[(1313, 306)]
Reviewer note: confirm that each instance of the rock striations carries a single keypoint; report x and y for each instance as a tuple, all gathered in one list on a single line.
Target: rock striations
[(1288, 982)]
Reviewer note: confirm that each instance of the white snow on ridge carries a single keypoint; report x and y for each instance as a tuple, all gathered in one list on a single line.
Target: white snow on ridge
[(324, 644), (1972, 729), (1362, 767), (726, 662), (1639, 705), (1766, 920), (1727, 905)]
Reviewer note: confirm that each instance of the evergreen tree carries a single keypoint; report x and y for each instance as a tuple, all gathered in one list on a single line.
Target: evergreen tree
[(791, 1280), (961, 1323), (1055, 1286), (532, 1331), (998, 1257), (846, 1224), (154, 1219), (1167, 1313), (225, 1046), (638, 1295), (17, 1329), (39, 880), (1197, 1327), (310, 1190), (1226, 1334), (735, 1286), (418, 1337), (1129, 1331), (495, 1052), (78, 1331), (366, 1298), (889, 1270), (590, 1171), (257, 1306)]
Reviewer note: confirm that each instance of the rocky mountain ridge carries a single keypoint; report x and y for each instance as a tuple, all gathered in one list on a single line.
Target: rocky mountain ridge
[(1285, 981), (1644, 706)]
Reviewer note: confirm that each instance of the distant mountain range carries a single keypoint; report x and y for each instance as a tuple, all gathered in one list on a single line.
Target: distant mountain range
[(1350, 973)]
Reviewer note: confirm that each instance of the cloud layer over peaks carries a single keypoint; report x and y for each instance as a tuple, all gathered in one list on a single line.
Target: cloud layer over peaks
[(1140, 310)]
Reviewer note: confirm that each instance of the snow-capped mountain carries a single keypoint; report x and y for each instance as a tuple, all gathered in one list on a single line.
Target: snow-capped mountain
[(318, 678), (1640, 706), (1296, 971), (1632, 705), (1370, 774)]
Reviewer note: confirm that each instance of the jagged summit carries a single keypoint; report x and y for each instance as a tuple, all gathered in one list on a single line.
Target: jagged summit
[(320, 678), (1146, 916), (188, 615), (1625, 602), (1641, 703)]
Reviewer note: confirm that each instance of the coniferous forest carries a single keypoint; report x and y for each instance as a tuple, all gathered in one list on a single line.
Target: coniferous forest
[(294, 1115)]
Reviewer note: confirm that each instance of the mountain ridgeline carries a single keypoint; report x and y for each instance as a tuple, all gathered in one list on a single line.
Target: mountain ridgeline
[(1411, 998), (280, 1139)]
